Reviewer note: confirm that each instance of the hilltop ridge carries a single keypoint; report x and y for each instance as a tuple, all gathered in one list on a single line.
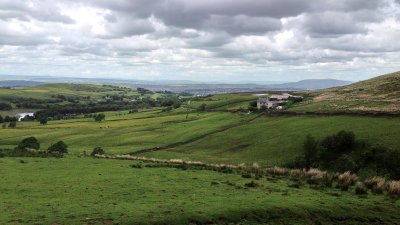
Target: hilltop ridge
[(379, 94)]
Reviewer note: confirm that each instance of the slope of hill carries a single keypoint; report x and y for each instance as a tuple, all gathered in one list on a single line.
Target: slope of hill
[(380, 94), (312, 84)]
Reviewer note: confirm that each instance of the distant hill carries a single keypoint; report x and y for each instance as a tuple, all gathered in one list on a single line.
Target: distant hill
[(19, 83), (312, 84), (379, 94)]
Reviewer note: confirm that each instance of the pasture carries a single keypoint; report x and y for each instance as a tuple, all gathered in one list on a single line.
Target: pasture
[(83, 190)]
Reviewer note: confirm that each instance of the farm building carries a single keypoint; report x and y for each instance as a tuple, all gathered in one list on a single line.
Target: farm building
[(276, 101)]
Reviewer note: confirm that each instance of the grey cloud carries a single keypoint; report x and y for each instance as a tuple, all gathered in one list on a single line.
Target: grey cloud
[(40, 10)]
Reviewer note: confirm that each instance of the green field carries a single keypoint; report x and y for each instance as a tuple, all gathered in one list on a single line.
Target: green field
[(83, 190), (208, 136), (99, 191), (278, 140)]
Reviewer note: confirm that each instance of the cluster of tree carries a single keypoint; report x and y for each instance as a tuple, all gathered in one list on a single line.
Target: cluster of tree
[(5, 106), (30, 147), (8, 119), (143, 91), (343, 152), (202, 108), (11, 120)]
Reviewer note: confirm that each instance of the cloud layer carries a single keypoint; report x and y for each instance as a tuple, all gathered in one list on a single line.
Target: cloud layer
[(200, 39)]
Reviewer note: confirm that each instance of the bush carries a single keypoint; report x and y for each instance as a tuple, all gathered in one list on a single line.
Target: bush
[(97, 151), (345, 180), (202, 108), (376, 184), (310, 147), (43, 121), (5, 106), (394, 188), (59, 147), (12, 124), (99, 117), (29, 143), (344, 163), (252, 184), (246, 175), (361, 189), (337, 144)]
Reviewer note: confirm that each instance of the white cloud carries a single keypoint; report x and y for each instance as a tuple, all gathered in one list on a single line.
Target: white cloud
[(200, 39)]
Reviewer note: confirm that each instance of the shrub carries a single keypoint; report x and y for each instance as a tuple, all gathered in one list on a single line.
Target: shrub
[(361, 189), (344, 163), (59, 147), (345, 180), (246, 175), (99, 117), (376, 184), (29, 143), (310, 148), (12, 124), (393, 188), (97, 151), (252, 184), (202, 108), (43, 121)]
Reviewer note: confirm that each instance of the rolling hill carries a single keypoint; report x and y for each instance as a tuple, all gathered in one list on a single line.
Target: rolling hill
[(379, 94)]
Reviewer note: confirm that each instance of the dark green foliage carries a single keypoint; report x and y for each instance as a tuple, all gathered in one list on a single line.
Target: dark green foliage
[(344, 163), (43, 121), (5, 106), (361, 189), (246, 175), (12, 124), (97, 151), (177, 105), (341, 152), (252, 184), (99, 117), (144, 91), (202, 108), (336, 144), (1, 119), (59, 147), (167, 109), (10, 119), (29, 143), (310, 147)]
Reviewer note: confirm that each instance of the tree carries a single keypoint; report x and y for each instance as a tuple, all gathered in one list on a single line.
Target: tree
[(1, 119), (5, 106), (43, 121), (12, 124), (310, 148), (29, 143), (202, 108), (97, 151), (99, 117), (59, 147)]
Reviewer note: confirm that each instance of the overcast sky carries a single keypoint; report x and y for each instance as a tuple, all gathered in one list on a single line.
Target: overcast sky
[(209, 40)]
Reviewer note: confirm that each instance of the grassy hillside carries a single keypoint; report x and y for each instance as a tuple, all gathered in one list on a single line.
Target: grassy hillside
[(95, 191), (207, 136), (380, 94), (278, 140), (122, 132)]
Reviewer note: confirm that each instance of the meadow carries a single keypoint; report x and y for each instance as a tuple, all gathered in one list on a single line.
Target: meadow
[(207, 136), (78, 189), (84, 190)]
